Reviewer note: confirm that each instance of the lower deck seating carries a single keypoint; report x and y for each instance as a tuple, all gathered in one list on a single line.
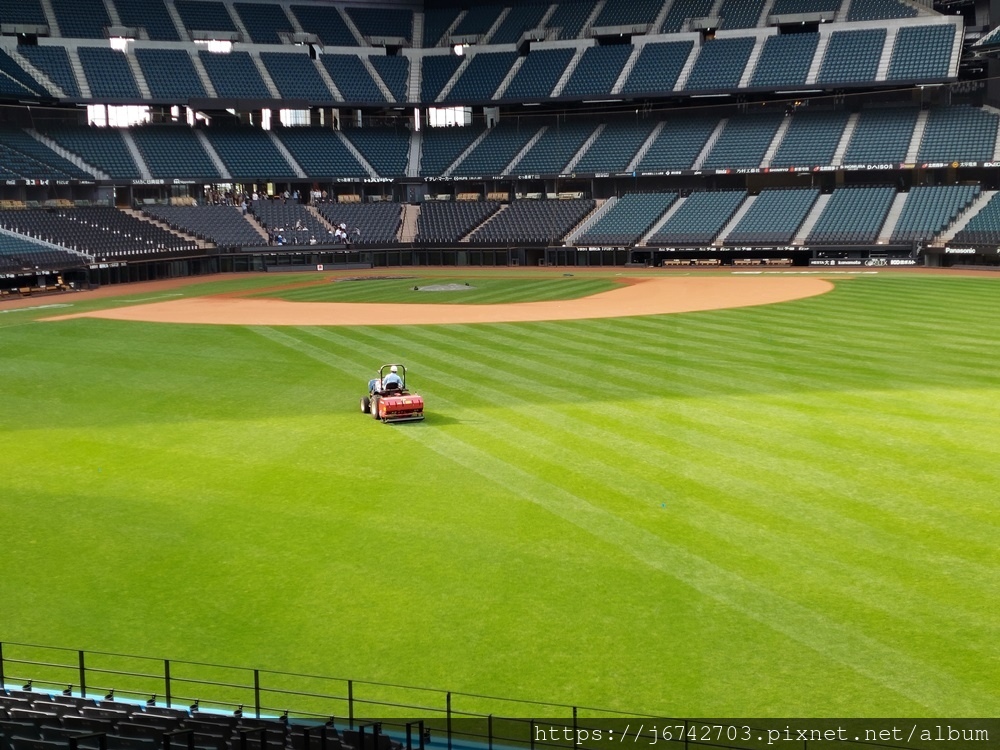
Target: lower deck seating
[(367, 223), (699, 219), (290, 223), (37, 721), (101, 231), (629, 219), (449, 222), (224, 226), (536, 222)]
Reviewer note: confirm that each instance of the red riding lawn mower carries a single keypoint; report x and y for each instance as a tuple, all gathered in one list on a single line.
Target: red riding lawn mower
[(389, 400)]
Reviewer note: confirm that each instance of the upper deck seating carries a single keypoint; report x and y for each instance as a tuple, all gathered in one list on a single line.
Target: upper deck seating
[(501, 144), (570, 16), (174, 151), (873, 10), (720, 64), (54, 63), (657, 68), (852, 56), (249, 154), (682, 10), (538, 74), (16, 81), (320, 153), (326, 23), (264, 21), (791, 7), (597, 70), (740, 14), (151, 15), (170, 74), (521, 18), (478, 19), (81, 19), (785, 60), (437, 71), (28, 12), (234, 75), (296, 77), (386, 149), (394, 71), (922, 53), (108, 74), (352, 78), (441, 146), (382, 21), (634, 13), (204, 15), (481, 77), (436, 22)]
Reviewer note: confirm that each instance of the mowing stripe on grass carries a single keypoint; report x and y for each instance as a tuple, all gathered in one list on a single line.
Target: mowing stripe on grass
[(835, 640)]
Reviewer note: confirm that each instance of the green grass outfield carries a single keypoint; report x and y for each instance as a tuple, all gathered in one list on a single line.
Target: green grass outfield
[(786, 510)]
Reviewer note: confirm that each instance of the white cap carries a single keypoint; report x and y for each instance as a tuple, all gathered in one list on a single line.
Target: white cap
[(392, 369)]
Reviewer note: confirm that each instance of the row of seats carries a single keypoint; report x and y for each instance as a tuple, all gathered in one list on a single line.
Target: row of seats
[(583, 146), (223, 226), (773, 217), (99, 231), (271, 22), (37, 721), (920, 53), (19, 254)]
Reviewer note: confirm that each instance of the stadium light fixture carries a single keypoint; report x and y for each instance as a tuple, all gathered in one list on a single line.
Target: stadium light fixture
[(120, 43)]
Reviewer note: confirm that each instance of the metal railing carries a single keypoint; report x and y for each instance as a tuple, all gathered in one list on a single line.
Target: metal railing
[(417, 717)]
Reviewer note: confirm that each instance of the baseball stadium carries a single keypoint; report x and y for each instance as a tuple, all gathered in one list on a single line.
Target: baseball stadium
[(451, 375)]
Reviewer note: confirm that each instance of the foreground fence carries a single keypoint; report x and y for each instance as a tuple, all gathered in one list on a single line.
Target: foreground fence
[(437, 719)]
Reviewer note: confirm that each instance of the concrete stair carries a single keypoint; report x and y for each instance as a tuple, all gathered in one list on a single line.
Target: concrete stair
[(203, 76), (156, 222), (133, 149), (963, 219), (68, 155), (892, 218), (35, 73), (299, 171), (811, 218), (212, 154), (408, 226), (77, 67)]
